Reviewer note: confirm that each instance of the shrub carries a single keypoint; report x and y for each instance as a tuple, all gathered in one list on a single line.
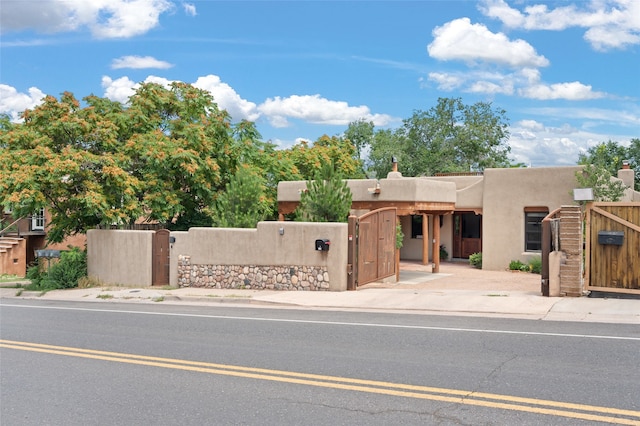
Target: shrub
[(476, 260), (64, 273), (535, 265), (516, 265), (399, 236), (444, 254)]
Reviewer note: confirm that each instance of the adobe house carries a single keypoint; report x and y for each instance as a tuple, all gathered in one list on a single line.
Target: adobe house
[(20, 238), (497, 212)]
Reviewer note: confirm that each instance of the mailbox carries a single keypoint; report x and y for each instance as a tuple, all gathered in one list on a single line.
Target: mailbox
[(614, 238), (322, 245)]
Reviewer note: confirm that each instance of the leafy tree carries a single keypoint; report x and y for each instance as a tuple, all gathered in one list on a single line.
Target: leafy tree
[(599, 180), (387, 143), (450, 137), (610, 155), (327, 198), (243, 204), (340, 152), (360, 134), (163, 158)]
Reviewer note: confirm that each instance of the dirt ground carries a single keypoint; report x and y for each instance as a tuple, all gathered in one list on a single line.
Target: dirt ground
[(460, 276)]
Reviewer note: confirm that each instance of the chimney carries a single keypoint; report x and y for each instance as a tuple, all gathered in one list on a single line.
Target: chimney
[(626, 175)]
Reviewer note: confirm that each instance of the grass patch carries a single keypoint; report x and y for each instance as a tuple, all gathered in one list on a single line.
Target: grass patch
[(19, 292), (158, 299), (5, 278), (498, 295), (104, 296)]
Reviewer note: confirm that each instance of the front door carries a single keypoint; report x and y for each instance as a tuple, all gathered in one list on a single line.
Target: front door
[(467, 234)]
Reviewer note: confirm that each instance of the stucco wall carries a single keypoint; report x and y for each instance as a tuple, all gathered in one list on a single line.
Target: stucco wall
[(120, 257), (506, 194), (266, 245), (392, 189)]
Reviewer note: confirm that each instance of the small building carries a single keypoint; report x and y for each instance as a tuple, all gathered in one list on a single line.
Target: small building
[(497, 212), (22, 237)]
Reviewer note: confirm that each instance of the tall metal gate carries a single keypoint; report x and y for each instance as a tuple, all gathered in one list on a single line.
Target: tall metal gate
[(613, 247), (372, 246), (161, 258)]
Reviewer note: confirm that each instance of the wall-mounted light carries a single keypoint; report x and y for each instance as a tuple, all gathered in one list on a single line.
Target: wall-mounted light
[(281, 231)]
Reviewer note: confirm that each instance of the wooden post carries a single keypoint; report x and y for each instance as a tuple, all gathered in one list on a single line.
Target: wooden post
[(352, 259), (436, 243), (546, 249), (425, 239)]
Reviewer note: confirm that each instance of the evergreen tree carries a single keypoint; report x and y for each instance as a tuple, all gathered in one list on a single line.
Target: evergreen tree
[(244, 203), (327, 198)]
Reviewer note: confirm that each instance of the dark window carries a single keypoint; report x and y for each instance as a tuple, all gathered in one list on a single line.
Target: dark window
[(533, 230), (416, 226)]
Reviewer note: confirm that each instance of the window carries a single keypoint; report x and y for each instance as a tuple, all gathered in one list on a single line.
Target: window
[(533, 227), (37, 221)]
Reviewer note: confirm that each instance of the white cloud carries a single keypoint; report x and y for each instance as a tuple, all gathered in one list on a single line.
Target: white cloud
[(13, 103), (609, 23), (227, 98), (535, 144), (139, 62), (463, 41), (525, 82), (317, 110), (447, 81), (104, 18), (573, 91), (119, 90), (189, 9)]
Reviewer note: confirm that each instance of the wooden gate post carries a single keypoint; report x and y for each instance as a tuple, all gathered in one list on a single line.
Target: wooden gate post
[(546, 246), (352, 257)]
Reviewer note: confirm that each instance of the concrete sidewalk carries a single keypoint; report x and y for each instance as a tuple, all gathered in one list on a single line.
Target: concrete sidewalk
[(457, 290)]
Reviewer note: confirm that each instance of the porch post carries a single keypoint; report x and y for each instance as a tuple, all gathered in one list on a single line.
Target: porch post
[(425, 239), (436, 243)]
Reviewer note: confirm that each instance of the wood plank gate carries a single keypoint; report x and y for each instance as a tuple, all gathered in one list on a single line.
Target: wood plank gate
[(372, 247), (613, 247), (161, 258)]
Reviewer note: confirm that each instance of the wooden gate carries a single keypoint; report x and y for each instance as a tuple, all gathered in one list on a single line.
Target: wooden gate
[(161, 257), (613, 247), (374, 246)]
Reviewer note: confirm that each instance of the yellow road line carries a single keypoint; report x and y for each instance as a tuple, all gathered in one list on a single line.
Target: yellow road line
[(506, 402)]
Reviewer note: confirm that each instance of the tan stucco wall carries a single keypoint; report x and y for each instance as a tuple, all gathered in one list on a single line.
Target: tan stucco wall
[(506, 193), (266, 246), (120, 257), (393, 189)]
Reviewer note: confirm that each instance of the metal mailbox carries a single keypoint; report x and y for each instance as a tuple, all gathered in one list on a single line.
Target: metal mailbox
[(322, 245), (614, 238)]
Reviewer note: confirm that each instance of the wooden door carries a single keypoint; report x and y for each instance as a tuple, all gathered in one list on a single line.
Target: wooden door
[(161, 258)]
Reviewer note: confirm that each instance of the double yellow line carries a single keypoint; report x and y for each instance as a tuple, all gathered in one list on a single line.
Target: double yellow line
[(505, 402)]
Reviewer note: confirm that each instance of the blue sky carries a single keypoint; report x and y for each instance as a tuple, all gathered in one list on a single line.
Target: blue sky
[(566, 73)]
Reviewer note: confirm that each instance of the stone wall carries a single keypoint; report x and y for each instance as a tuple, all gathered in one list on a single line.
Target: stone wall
[(312, 278)]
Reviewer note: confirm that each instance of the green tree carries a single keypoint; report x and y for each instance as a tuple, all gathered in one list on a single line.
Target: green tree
[(360, 134), (243, 204), (610, 155), (599, 180), (163, 158), (340, 152), (450, 137), (327, 198)]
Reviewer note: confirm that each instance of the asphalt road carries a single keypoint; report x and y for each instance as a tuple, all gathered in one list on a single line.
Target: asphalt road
[(69, 363)]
